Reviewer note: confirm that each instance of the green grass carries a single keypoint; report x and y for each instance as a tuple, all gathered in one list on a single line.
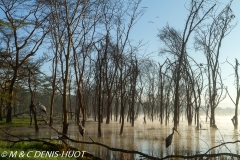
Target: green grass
[(16, 122), (22, 121), (32, 150), (28, 150)]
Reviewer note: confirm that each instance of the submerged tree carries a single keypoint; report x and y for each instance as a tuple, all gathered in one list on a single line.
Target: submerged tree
[(209, 39), (65, 18), (236, 102), (32, 91), (176, 42)]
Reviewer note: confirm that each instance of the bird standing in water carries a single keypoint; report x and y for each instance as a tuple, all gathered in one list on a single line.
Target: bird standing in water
[(170, 137), (81, 129)]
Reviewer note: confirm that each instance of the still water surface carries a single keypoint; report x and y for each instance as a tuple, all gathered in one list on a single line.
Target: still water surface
[(147, 138)]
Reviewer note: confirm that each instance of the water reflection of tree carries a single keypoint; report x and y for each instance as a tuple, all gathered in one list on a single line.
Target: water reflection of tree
[(213, 140), (197, 139), (236, 138), (190, 144)]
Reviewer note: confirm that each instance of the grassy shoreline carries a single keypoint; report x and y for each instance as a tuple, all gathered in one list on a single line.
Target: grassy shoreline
[(33, 150), (16, 122), (29, 150)]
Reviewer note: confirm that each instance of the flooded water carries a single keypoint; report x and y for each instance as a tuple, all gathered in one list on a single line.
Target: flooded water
[(147, 138)]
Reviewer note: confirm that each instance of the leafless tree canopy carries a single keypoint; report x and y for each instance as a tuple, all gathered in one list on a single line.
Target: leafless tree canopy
[(96, 71)]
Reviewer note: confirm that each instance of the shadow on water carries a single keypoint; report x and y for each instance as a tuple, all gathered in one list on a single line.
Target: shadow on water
[(147, 138)]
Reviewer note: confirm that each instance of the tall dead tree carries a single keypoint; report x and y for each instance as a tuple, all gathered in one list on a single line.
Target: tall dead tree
[(151, 99), (161, 84), (99, 82), (133, 81), (82, 50), (65, 17), (209, 39), (124, 74), (236, 102), (197, 85), (32, 91), (199, 10), (54, 86), (123, 21)]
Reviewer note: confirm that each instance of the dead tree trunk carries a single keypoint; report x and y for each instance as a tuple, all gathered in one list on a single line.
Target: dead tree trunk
[(32, 107), (236, 102)]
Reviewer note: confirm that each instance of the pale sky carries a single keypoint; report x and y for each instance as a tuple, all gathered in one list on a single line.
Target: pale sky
[(160, 12)]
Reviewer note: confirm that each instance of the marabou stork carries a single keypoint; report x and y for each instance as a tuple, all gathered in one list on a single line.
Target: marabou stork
[(81, 129), (170, 137)]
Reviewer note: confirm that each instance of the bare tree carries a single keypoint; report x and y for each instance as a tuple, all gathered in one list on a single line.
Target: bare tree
[(151, 89), (236, 102), (124, 73), (66, 17), (161, 84), (99, 84), (82, 50), (199, 10), (54, 86), (32, 91), (209, 39), (133, 87), (117, 20)]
